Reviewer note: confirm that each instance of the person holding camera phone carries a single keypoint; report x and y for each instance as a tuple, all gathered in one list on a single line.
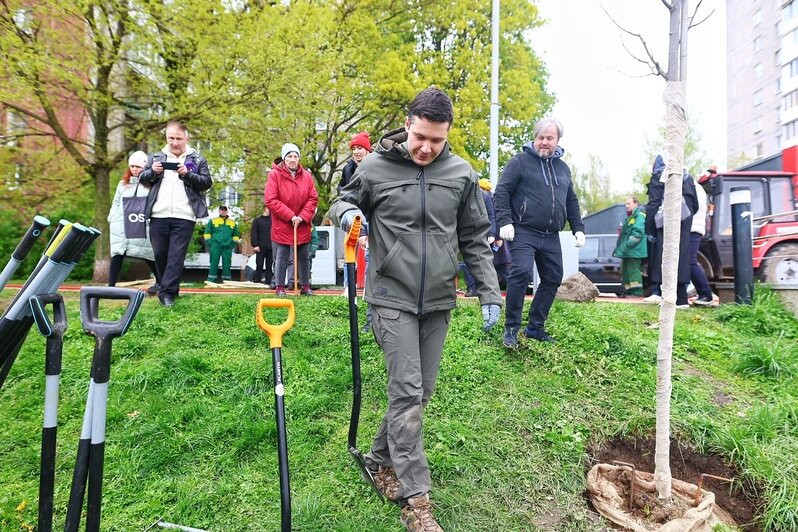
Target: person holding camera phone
[(177, 176)]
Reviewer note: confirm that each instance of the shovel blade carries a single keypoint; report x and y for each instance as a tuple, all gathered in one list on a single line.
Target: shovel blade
[(365, 472)]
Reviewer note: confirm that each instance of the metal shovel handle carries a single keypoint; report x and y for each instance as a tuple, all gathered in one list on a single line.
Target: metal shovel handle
[(47, 326), (40, 223), (89, 313), (275, 331)]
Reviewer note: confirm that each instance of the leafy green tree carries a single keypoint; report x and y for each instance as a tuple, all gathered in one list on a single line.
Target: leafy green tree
[(247, 77), (452, 41), (375, 55), (97, 78), (593, 187)]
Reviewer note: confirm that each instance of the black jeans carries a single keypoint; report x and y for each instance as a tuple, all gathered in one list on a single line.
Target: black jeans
[(263, 265), (116, 269), (170, 238), (697, 274), (527, 249)]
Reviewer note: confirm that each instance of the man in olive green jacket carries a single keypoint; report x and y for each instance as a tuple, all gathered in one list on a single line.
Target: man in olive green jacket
[(423, 204), (631, 247)]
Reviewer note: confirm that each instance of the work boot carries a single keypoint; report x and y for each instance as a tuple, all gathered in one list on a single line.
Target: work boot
[(387, 483), (306, 290), (417, 515), (280, 291), (510, 337)]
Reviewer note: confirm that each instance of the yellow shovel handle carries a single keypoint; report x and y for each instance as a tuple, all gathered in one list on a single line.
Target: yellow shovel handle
[(350, 246), (275, 331)]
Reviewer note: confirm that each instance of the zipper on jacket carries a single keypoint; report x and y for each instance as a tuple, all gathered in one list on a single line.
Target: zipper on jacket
[(553, 199), (422, 285)]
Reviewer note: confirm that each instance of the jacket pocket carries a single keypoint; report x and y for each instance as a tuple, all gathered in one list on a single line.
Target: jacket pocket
[(441, 268), (398, 276)]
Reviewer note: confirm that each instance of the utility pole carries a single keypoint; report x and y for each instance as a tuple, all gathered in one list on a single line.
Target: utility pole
[(494, 97)]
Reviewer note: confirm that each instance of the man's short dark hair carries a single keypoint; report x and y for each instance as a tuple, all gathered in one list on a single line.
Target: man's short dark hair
[(432, 104)]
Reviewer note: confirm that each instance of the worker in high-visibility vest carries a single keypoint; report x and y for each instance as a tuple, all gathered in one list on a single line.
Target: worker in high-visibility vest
[(222, 237)]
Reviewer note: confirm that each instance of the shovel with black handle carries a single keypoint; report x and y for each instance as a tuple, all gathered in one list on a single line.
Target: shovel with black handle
[(91, 447), (350, 257), (40, 223), (275, 333), (53, 330)]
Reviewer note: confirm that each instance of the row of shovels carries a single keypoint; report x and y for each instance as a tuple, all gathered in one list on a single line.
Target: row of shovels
[(67, 246)]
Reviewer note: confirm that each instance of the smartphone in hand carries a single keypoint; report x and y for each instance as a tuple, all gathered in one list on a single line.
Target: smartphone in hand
[(170, 166)]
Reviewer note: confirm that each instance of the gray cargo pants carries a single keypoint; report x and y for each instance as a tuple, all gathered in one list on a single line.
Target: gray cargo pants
[(412, 346)]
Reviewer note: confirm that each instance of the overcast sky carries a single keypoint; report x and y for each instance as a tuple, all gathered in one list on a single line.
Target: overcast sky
[(608, 106)]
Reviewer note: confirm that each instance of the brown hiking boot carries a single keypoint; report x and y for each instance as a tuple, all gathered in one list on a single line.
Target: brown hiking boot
[(417, 515), (387, 483)]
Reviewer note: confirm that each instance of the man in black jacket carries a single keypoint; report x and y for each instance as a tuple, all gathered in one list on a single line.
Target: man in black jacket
[(261, 240), (178, 177), (655, 231), (534, 198)]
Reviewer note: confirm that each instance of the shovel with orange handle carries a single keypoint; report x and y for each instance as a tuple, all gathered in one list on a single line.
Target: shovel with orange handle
[(350, 257)]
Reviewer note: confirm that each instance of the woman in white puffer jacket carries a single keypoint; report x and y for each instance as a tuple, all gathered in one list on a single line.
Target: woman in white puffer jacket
[(121, 246)]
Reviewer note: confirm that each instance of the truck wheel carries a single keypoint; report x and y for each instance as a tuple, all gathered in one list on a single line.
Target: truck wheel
[(780, 266)]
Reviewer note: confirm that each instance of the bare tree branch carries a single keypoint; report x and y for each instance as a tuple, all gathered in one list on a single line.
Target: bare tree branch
[(695, 13), (652, 62)]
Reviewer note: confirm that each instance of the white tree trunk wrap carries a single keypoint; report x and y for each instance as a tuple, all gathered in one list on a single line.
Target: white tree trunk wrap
[(675, 132)]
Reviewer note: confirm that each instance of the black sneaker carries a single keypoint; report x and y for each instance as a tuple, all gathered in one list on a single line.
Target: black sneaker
[(704, 301), (153, 290), (471, 292), (539, 335), (510, 340)]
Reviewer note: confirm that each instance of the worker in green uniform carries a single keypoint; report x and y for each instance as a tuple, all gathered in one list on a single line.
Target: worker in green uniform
[(631, 248), (222, 237)]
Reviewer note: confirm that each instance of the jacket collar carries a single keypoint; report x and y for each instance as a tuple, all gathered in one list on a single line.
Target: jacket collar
[(189, 151), (394, 144)]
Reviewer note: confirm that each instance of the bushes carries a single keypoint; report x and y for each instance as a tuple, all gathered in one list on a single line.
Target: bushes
[(14, 226)]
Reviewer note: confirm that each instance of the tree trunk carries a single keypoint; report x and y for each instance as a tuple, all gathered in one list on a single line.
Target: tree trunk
[(675, 133), (102, 246)]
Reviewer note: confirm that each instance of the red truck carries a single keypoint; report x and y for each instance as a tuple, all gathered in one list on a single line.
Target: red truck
[(774, 201)]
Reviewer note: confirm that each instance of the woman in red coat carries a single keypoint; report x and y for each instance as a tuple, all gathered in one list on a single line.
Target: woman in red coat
[(291, 196)]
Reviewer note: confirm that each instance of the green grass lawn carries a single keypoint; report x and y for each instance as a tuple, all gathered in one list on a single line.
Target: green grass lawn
[(191, 433)]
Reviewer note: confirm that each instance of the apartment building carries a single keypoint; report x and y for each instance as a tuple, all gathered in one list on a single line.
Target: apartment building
[(754, 67), (762, 82)]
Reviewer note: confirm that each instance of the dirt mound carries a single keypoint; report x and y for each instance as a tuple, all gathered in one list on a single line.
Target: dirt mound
[(688, 465)]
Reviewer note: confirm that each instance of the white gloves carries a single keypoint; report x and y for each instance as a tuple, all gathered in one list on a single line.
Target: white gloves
[(490, 315), (507, 232), (580, 239), (349, 217)]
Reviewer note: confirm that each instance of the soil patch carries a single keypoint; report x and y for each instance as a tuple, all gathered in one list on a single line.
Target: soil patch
[(687, 465)]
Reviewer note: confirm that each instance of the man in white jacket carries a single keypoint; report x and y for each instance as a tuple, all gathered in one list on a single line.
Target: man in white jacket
[(697, 230), (178, 176)]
